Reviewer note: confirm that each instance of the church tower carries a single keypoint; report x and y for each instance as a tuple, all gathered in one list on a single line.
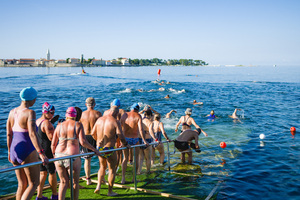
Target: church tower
[(48, 54)]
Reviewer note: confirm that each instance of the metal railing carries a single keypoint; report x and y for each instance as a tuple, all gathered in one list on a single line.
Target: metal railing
[(87, 154)]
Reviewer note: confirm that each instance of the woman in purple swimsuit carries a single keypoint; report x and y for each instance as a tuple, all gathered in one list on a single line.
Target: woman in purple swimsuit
[(23, 144)]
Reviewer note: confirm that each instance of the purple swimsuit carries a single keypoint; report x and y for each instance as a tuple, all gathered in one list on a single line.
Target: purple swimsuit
[(21, 145)]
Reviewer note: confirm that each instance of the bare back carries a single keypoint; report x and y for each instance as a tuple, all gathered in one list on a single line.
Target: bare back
[(130, 123), (146, 126), (68, 136), (88, 119), (106, 129), (187, 136)]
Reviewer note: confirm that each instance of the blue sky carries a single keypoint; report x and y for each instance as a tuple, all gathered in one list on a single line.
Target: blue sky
[(249, 32)]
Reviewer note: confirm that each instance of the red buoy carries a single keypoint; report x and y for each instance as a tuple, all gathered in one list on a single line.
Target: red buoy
[(158, 72), (293, 129), (223, 145)]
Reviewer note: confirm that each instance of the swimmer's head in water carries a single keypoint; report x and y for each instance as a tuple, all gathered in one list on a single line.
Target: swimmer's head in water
[(47, 107), (71, 112), (90, 102), (135, 106), (198, 130), (116, 102), (188, 111), (28, 94), (212, 112)]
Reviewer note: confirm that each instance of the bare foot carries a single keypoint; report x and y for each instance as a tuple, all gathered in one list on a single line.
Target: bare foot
[(88, 181), (97, 191), (112, 194)]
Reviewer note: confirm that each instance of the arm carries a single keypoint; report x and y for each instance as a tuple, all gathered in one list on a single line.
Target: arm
[(55, 139), (121, 135), (94, 131), (178, 123), (151, 132), (9, 133), (141, 130), (83, 141), (153, 110), (204, 132), (31, 125), (161, 126), (194, 123), (196, 141), (48, 128)]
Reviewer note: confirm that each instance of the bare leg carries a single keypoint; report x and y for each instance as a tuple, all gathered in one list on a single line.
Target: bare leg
[(183, 157), (22, 183), (147, 154), (153, 155), (112, 162), (141, 160), (137, 152), (101, 173), (76, 174), (124, 164), (53, 183), (161, 151), (87, 169), (64, 180), (43, 177), (190, 159), (33, 176)]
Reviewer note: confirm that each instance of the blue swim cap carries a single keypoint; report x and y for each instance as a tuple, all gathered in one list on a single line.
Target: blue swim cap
[(135, 106), (28, 94), (116, 102)]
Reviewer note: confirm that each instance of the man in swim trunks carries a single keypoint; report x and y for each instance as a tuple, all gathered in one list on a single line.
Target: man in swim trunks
[(105, 131), (183, 143), (132, 126), (23, 144), (88, 119), (117, 102), (45, 134)]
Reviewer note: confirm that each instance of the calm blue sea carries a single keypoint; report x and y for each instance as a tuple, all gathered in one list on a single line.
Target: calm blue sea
[(247, 168)]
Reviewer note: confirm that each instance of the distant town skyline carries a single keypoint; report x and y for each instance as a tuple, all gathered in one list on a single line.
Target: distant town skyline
[(236, 32)]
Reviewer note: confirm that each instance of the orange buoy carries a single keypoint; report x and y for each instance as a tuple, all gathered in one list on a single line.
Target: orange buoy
[(158, 72), (223, 145), (293, 129)]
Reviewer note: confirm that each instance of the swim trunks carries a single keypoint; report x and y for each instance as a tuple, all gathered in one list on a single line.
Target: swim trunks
[(181, 145), (91, 140), (106, 154), (21, 145), (132, 141), (46, 145), (142, 142)]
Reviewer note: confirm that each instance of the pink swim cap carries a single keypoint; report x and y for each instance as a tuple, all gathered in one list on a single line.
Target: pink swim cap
[(71, 112)]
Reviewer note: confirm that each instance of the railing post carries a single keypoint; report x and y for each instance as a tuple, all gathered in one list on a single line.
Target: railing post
[(134, 167), (168, 156), (71, 179)]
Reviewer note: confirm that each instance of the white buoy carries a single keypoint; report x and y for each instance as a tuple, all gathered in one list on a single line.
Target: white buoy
[(262, 136)]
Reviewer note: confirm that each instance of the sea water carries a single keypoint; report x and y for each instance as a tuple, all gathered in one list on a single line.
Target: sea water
[(247, 168)]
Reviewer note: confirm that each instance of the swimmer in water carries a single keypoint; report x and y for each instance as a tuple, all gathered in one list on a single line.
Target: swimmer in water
[(211, 116), (197, 103), (167, 97), (234, 115), (168, 115)]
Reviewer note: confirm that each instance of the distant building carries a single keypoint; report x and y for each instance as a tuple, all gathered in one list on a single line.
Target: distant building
[(108, 62), (48, 54), (98, 62), (2, 62), (26, 61), (11, 61), (74, 60), (60, 61), (125, 61)]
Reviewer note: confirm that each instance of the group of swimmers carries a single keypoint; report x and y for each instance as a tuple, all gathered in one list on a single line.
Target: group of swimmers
[(28, 139)]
